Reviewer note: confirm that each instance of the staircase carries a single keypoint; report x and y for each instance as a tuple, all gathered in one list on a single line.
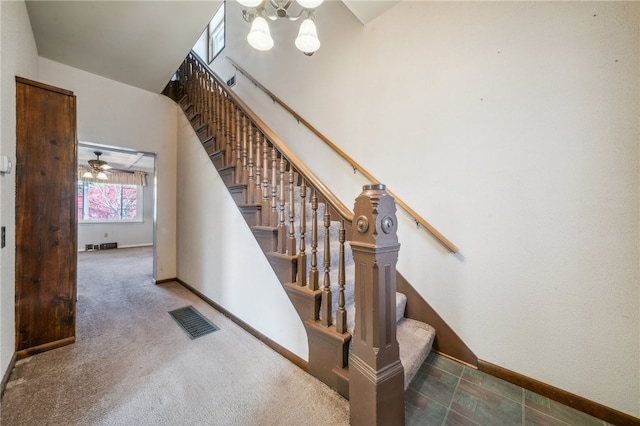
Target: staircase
[(360, 342)]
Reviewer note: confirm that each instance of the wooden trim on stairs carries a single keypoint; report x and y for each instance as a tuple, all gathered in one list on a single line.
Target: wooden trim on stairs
[(264, 339), (585, 405), (447, 342), (414, 215)]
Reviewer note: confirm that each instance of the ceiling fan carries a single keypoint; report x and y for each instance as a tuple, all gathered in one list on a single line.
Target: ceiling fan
[(97, 168)]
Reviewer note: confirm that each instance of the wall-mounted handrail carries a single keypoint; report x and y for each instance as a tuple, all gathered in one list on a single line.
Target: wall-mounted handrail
[(343, 211), (419, 219)]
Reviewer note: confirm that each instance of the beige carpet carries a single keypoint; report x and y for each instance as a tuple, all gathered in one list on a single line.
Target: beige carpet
[(133, 365)]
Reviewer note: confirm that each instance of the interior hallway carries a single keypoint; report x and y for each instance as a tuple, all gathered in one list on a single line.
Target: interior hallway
[(132, 364)]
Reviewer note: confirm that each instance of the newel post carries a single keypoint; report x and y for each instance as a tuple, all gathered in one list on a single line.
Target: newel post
[(376, 376)]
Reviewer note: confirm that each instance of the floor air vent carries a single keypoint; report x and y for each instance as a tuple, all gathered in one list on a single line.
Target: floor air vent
[(192, 322)]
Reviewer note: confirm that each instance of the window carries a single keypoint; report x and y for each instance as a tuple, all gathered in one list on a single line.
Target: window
[(216, 34), (108, 202)]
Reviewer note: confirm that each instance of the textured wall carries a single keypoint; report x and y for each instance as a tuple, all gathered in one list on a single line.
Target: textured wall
[(511, 127), (115, 114), (19, 56), (219, 256)]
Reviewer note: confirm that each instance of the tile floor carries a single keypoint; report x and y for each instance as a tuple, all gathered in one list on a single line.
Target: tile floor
[(444, 392)]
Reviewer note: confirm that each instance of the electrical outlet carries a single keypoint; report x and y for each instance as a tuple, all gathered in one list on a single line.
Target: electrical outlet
[(3, 240), (106, 234)]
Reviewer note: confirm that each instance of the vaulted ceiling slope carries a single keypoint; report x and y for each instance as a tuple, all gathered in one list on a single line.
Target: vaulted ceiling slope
[(140, 43)]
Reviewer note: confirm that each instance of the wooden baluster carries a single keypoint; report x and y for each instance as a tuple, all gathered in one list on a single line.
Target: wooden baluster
[(326, 292), (302, 256), (217, 116), (273, 219), (266, 207), (229, 111), (313, 273), (291, 247), (282, 228), (211, 107), (250, 165), (341, 314), (222, 116), (238, 148), (245, 165), (230, 145), (257, 192)]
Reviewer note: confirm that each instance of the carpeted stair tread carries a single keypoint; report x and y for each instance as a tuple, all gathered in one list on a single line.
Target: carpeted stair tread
[(415, 339), (401, 303)]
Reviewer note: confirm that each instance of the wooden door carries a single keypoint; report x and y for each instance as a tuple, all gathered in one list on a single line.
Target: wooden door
[(46, 217)]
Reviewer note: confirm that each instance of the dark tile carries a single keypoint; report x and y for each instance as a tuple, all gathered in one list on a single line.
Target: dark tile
[(571, 416), (493, 384), (536, 418), (537, 402), (485, 407), (434, 414), (435, 384), (455, 419), (416, 399), (444, 363), (472, 375)]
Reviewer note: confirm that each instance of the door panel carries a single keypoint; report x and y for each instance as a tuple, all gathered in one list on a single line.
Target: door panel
[(46, 216)]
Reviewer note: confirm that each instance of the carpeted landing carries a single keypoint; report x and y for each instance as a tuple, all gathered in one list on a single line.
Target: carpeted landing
[(133, 365)]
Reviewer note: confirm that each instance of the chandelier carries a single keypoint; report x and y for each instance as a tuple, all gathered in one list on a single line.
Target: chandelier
[(260, 37)]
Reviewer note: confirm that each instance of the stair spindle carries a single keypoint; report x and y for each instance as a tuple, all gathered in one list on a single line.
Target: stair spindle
[(273, 219), (258, 171), (291, 245), (217, 123), (245, 164), (250, 165), (282, 228), (266, 207), (341, 314), (211, 103), (230, 144), (326, 292), (238, 126), (313, 273), (302, 256)]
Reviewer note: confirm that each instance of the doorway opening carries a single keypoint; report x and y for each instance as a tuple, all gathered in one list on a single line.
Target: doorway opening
[(117, 198)]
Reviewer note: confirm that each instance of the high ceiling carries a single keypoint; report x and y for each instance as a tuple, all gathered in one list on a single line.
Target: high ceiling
[(140, 43)]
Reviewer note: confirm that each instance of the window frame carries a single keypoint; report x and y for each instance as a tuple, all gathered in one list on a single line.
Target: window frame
[(220, 26), (85, 204)]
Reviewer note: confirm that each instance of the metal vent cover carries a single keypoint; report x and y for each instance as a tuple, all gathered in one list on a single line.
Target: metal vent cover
[(192, 322)]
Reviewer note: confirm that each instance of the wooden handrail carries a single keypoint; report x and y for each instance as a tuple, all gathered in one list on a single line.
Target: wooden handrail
[(313, 181), (418, 219)]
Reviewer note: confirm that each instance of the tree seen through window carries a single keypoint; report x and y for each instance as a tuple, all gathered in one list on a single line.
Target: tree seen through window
[(107, 201)]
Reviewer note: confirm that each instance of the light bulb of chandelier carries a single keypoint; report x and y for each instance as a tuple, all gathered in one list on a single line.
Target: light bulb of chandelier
[(250, 3), (102, 176), (307, 40), (260, 37), (310, 4)]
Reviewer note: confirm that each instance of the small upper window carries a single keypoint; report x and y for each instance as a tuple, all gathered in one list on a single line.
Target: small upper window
[(215, 32)]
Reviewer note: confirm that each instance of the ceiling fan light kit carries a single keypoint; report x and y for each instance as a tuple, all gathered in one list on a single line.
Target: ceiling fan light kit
[(97, 168)]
